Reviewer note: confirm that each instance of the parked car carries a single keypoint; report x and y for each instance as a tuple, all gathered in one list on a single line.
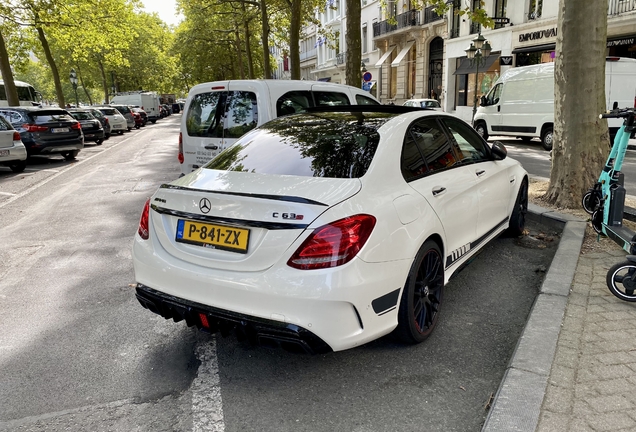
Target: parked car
[(166, 109), (91, 127), (12, 152), (148, 101), (327, 229), (142, 115), (218, 113), (102, 119), (46, 131), (424, 103), (126, 111), (118, 123), (176, 108)]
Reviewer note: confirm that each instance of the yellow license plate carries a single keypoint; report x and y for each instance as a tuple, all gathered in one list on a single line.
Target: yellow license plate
[(213, 236)]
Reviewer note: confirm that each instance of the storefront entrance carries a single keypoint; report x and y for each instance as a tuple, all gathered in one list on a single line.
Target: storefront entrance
[(435, 68)]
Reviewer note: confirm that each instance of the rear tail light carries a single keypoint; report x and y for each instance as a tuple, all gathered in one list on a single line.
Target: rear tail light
[(106, 120), (143, 221), (34, 128), (16, 136), (76, 125), (181, 158), (333, 244)]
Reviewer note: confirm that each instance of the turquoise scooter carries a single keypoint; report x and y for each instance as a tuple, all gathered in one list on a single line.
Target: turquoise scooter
[(605, 201)]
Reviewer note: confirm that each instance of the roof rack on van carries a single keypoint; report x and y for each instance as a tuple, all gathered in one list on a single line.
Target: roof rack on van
[(390, 109)]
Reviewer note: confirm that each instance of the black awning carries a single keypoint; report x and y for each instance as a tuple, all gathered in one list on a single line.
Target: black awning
[(325, 79), (536, 48), (465, 67)]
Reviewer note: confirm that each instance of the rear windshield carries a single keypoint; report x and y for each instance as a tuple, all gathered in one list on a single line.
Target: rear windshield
[(109, 111), (41, 117), (325, 145), (122, 109), (82, 116), (431, 104)]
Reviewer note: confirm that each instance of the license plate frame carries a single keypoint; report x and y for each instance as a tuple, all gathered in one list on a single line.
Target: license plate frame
[(60, 130), (223, 237)]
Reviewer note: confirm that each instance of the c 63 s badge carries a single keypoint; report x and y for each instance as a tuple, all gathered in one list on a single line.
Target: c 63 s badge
[(290, 216)]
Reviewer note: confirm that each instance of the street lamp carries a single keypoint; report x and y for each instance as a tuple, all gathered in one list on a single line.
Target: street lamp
[(477, 53), (73, 78)]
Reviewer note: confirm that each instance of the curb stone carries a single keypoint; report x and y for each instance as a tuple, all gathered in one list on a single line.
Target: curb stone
[(517, 404)]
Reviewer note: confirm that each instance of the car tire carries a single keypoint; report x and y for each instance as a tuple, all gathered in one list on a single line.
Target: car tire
[(121, 132), (129, 129), (153, 121), (106, 136), (69, 156), (422, 296), (18, 167), (482, 129), (99, 141), (518, 216), (547, 137), (137, 126)]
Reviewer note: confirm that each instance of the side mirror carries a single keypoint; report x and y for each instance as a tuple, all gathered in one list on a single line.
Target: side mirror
[(499, 151), (483, 101)]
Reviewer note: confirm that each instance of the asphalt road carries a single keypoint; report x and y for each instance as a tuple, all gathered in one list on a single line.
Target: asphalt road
[(77, 352)]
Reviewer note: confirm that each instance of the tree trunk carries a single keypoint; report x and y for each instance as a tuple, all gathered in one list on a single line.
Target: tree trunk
[(7, 75), (104, 82), (248, 50), (580, 142), (239, 54), (88, 95), (353, 75), (267, 69), (294, 39), (54, 71)]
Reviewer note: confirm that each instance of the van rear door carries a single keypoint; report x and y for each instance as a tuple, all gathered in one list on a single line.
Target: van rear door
[(620, 86)]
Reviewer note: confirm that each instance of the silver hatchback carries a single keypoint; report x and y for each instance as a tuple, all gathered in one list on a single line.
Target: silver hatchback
[(12, 152)]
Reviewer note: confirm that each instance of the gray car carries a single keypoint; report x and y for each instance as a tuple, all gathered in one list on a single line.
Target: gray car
[(12, 152), (126, 111)]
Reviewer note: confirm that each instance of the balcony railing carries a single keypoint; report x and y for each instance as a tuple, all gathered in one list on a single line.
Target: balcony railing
[(617, 7), (341, 58), (431, 16), (308, 54), (407, 19)]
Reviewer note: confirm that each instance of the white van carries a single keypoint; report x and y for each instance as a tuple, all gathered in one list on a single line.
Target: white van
[(521, 103), (217, 113), (147, 101)]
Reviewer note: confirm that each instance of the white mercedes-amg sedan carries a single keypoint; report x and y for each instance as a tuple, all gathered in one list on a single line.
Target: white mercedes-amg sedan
[(324, 230)]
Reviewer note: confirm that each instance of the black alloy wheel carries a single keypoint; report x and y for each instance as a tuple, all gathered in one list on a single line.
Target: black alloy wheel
[(422, 296), (518, 216)]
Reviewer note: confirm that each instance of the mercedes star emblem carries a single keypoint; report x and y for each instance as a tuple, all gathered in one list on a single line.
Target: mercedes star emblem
[(205, 205)]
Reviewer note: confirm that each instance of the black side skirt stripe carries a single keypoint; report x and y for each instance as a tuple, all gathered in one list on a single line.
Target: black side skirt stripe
[(262, 196), (229, 221), (455, 257)]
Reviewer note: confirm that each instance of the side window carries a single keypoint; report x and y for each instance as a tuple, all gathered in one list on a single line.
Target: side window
[(363, 100), (323, 98), (470, 147), (293, 102), (433, 143), (4, 125), (494, 95), (411, 161), (13, 117), (206, 115), (242, 114)]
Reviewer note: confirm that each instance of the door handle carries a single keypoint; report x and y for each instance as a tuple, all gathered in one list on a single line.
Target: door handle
[(439, 191), (211, 147), (480, 173)]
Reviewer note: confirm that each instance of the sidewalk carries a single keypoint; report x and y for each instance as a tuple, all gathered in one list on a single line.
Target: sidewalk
[(574, 368)]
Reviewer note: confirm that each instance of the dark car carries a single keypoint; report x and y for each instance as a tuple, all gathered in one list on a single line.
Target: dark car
[(103, 120), (91, 127), (46, 131), (176, 109)]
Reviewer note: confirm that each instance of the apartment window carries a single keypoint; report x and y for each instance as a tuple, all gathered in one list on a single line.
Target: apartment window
[(457, 6), (363, 42), (474, 26), (391, 8), (535, 9), (500, 11), (392, 76), (410, 92)]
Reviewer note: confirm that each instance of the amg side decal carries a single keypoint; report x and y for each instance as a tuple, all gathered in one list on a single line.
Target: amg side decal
[(460, 252)]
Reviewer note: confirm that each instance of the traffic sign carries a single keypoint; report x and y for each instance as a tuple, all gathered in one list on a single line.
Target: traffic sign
[(367, 76)]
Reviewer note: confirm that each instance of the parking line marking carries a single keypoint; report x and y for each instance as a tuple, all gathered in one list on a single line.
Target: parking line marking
[(207, 405)]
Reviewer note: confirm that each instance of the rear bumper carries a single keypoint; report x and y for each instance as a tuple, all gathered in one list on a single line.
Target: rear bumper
[(39, 147), (16, 153), (94, 135), (257, 330)]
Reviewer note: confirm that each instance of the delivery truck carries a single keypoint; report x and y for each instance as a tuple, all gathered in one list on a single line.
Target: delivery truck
[(146, 100), (521, 102)]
